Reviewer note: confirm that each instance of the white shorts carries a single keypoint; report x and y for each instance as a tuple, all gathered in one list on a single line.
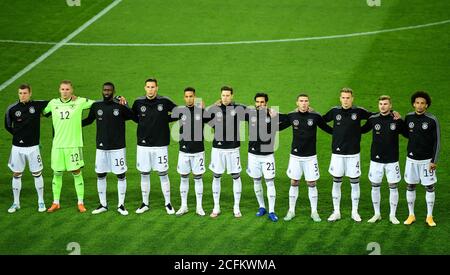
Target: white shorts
[(191, 162), (152, 158), (261, 165), (111, 161), (345, 165), (303, 165), (228, 159), (19, 157), (377, 171), (419, 171)]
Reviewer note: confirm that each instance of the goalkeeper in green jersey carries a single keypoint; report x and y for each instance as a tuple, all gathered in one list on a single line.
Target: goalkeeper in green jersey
[(67, 149)]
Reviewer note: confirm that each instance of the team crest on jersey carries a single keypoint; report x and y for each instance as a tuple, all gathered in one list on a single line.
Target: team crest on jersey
[(116, 112), (253, 119), (377, 127), (160, 107), (354, 116), (425, 125), (411, 125), (310, 122), (183, 117), (338, 117), (219, 114), (393, 126), (197, 117), (99, 112), (295, 122), (232, 112), (32, 110), (143, 109), (267, 119), (18, 113)]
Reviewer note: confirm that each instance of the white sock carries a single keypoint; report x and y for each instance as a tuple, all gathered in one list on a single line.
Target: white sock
[(237, 189), (101, 188), (429, 198), (199, 191), (336, 194), (122, 190), (411, 198), (376, 198), (271, 195), (257, 186), (184, 189), (16, 187), (313, 197), (393, 200), (39, 184), (355, 197), (165, 188), (216, 192), (145, 188), (293, 195)]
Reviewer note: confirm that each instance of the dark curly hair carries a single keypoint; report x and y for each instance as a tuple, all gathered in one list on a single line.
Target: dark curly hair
[(423, 95)]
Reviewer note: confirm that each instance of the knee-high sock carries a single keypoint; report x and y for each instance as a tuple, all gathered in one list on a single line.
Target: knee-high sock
[(313, 198), (429, 198), (411, 199), (39, 185), (16, 187), (257, 186), (393, 200), (165, 188), (237, 189), (376, 198), (79, 186), (101, 188), (216, 192), (199, 191), (355, 194), (293, 195), (121, 190), (56, 186), (336, 194), (184, 189), (271, 195), (145, 188)]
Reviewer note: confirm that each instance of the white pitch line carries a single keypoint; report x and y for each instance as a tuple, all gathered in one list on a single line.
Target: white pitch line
[(57, 45), (234, 42)]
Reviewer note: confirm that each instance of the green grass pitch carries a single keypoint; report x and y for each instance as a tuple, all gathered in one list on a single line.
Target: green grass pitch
[(395, 63)]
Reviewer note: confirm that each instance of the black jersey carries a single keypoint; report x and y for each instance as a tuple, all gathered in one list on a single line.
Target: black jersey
[(424, 136), (346, 128), (262, 129), (153, 117), (226, 121), (304, 131), (110, 118), (191, 128), (385, 132), (23, 121)]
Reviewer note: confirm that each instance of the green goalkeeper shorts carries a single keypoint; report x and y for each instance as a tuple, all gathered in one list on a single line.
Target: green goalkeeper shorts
[(67, 159)]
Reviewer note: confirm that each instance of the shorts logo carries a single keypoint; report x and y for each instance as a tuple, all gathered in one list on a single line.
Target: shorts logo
[(143, 109), (253, 119), (197, 117), (377, 127), (354, 116), (267, 119), (425, 125), (183, 117), (411, 125), (160, 107), (310, 122), (393, 126), (99, 112), (219, 114), (32, 110), (338, 117), (18, 113), (232, 112), (295, 122), (116, 112)]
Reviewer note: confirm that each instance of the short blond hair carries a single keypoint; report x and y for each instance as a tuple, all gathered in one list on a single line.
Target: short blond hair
[(384, 97), (347, 90)]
